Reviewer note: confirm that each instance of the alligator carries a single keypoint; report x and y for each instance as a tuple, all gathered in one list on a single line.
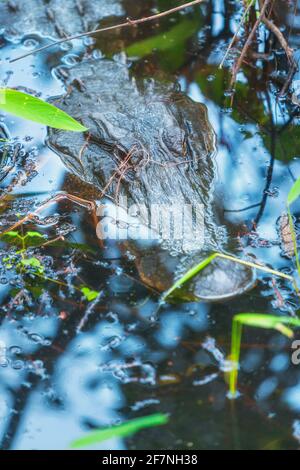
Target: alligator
[(149, 142)]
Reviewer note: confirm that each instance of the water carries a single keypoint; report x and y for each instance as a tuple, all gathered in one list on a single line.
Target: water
[(67, 366)]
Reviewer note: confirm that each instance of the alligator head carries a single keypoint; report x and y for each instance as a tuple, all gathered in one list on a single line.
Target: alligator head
[(150, 143)]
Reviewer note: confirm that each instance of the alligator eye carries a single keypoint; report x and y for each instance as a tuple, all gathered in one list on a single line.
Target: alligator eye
[(174, 139)]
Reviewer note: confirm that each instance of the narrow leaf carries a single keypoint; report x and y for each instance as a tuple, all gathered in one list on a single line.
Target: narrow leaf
[(257, 320), (189, 275), (122, 430), (294, 192), (32, 108)]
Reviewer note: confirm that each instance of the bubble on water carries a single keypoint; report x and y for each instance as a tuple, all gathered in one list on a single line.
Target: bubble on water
[(89, 41), (210, 78), (15, 350), (39, 339), (66, 46), (35, 337), (71, 59), (30, 43), (17, 365), (97, 54), (133, 372)]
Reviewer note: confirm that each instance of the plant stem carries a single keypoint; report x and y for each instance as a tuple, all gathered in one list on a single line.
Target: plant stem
[(235, 355)]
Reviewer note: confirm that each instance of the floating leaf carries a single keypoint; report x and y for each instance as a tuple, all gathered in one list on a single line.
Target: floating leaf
[(32, 108), (294, 192), (122, 430), (89, 294)]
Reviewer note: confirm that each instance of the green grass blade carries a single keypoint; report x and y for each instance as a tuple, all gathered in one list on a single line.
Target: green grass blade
[(189, 275), (122, 430), (236, 338), (32, 108), (294, 239), (294, 192), (196, 269), (260, 320), (257, 320)]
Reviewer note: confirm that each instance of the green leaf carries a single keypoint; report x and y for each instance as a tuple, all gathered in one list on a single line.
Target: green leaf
[(33, 263), (260, 320), (189, 275), (122, 430), (11, 234), (89, 294), (32, 108), (31, 234), (294, 192)]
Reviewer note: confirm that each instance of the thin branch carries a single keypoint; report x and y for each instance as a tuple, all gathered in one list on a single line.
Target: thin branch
[(236, 33), (247, 44), (282, 41), (129, 22)]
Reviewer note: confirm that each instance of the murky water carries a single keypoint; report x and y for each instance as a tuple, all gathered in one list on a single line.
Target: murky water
[(68, 366)]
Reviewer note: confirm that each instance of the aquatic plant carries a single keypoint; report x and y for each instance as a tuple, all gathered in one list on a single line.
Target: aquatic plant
[(199, 267), (121, 430), (293, 195), (24, 263), (257, 320)]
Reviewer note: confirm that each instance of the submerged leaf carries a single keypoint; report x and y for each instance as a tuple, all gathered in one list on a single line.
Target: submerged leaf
[(29, 107), (122, 430), (164, 41)]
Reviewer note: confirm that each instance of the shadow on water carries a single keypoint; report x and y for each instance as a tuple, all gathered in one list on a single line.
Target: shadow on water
[(68, 366)]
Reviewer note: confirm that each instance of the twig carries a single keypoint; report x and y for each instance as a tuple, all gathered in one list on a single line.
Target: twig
[(129, 22), (59, 197), (236, 33), (276, 31), (247, 44)]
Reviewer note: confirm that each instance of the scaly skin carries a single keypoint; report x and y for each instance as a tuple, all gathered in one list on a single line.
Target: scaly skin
[(151, 143)]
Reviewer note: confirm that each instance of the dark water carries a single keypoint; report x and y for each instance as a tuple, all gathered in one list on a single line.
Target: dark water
[(68, 366)]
